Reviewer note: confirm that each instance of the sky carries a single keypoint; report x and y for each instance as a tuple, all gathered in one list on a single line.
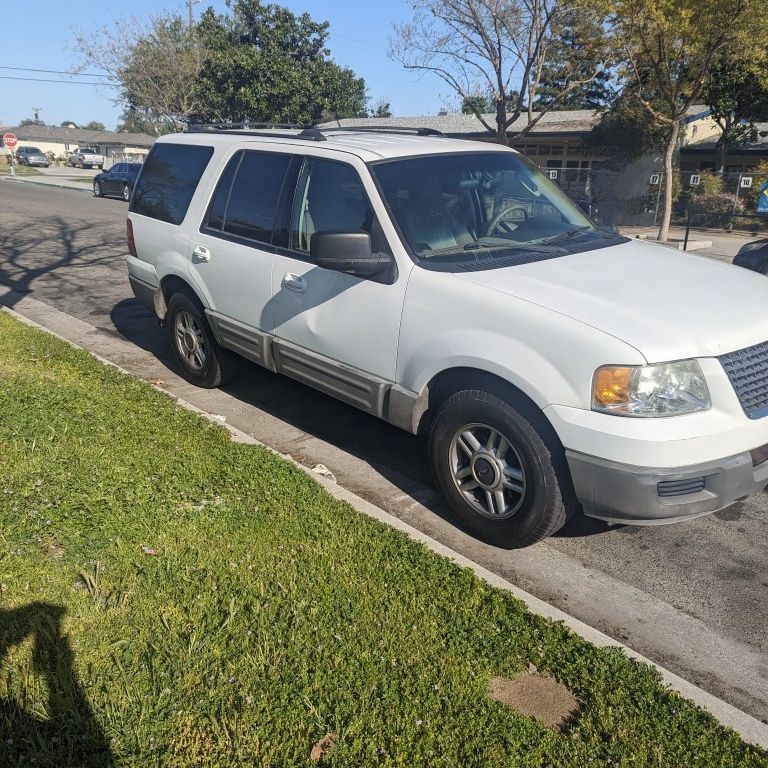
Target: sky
[(40, 36)]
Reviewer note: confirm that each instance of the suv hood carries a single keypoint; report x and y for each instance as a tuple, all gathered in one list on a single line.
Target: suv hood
[(667, 304)]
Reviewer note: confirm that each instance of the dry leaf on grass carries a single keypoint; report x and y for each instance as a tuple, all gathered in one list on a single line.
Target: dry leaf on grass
[(55, 550), (323, 747)]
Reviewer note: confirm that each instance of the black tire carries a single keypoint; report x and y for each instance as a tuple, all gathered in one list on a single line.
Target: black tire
[(97, 190), (126, 193), (527, 517), (218, 365)]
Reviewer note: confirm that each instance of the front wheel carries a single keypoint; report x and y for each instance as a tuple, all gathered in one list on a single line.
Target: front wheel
[(97, 189), (126, 193), (503, 476), (201, 360)]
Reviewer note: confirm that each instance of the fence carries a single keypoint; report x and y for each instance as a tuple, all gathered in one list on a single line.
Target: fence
[(635, 196)]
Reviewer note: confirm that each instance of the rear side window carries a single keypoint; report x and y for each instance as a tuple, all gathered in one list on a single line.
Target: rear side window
[(168, 181), (254, 196), (221, 195)]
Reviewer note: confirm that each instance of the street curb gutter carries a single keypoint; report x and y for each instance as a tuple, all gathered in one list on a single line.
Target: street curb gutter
[(749, 728), (17, 180)]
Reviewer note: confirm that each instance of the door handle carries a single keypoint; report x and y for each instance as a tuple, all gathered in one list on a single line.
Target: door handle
[(294, 282), (201, 253)]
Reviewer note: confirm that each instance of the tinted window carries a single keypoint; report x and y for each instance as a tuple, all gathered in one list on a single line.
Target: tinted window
[(255, 194), (331, 198), (221, 195), (168, 181), (119, 168)]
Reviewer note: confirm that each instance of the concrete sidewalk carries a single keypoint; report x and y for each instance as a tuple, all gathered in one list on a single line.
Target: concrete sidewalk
[(58, 180)]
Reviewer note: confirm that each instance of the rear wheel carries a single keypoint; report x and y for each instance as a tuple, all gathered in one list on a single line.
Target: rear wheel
[(97, 192), (201, 360), (504, 478)]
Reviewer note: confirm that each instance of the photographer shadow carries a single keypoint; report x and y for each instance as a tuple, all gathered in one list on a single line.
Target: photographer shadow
[(69, 736)]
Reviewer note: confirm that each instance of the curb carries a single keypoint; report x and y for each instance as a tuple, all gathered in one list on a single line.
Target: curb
[(46, 184), (749, 728)]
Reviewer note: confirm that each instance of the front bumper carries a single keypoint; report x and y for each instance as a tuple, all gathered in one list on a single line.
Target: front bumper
[(622, 493)]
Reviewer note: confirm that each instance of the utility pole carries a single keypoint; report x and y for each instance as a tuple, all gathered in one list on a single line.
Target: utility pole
[(190, 3), (37, 111)]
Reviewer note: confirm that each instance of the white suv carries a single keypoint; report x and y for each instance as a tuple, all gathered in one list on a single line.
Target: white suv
[(448, 287)]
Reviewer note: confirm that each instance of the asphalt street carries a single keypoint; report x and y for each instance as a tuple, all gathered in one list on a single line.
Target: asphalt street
[(692, 596)]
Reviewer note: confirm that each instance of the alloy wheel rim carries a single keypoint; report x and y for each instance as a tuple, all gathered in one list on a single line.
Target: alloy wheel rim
[(96, 189), (126, 193), (190, 341), (487, 470)]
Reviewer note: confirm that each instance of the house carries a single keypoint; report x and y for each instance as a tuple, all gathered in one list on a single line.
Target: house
[(701, 154), (556, 143), (62, 141)]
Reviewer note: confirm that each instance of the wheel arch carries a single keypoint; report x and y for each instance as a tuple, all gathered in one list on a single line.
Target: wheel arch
[(170, 284)]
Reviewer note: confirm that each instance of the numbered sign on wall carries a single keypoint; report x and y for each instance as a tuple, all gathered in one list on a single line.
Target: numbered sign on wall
[(655, 179), (746, 182), (553, 175), (695, 179)]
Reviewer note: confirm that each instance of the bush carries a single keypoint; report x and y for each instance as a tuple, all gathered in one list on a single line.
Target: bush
[(710, 185)]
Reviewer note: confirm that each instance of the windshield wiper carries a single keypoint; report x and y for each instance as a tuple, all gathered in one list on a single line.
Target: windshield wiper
[(538, 247), (593, 231)]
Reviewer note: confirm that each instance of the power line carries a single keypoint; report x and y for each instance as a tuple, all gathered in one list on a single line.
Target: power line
[(55, 72), (61, 82)]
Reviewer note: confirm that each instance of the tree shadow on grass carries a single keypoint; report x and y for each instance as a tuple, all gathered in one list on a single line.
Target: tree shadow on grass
[(68, 736)]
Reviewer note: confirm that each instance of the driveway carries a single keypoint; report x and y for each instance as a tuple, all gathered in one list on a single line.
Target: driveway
[(692, 596)]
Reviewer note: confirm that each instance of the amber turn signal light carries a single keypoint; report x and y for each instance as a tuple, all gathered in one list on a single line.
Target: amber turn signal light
[(611, 385)]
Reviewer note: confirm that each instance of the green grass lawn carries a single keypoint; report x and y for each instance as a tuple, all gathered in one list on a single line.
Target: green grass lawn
[(171, 598)]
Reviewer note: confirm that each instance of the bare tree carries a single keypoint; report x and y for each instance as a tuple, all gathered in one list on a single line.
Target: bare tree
[(495, 46), (155, 66)]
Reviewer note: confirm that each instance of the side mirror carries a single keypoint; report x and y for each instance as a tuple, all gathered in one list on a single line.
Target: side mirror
[(348, 252)]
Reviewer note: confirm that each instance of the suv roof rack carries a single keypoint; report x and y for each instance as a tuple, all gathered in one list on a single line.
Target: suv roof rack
[(306, 132), (423, 131)]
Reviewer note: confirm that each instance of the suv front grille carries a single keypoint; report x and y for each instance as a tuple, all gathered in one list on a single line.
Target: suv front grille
[(748, 371)]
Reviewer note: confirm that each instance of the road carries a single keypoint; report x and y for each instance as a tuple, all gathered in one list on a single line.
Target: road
[(692, 596)]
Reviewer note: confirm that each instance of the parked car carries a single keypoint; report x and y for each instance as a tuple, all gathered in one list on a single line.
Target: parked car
[(118, 181), (32, 156), (86, 157), (451, 289), (753, 256)]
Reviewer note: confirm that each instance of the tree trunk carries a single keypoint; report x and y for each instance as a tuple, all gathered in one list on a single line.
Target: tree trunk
[(668, 158), (501, 122)]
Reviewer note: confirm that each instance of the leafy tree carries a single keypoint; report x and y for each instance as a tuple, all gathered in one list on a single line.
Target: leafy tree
[(95, 125), (263, 63), (156, 66), (381, 109), (574, 57), (68, 124), (625, 132), (477, 104), (667, 49), (499, 46), (31, 121), (135, 120), (737, 94)]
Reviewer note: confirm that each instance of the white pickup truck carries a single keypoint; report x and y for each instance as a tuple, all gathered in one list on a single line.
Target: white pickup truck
[(86, 157), (451, 289)]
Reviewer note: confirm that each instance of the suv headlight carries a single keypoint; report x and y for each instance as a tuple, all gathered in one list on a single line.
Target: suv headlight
[(668, 389)]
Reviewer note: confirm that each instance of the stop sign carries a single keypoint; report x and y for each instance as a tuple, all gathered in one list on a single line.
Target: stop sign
[(10, 141)]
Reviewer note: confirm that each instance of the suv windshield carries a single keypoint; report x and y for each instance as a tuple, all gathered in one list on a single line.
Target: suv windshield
[(466, 206)]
